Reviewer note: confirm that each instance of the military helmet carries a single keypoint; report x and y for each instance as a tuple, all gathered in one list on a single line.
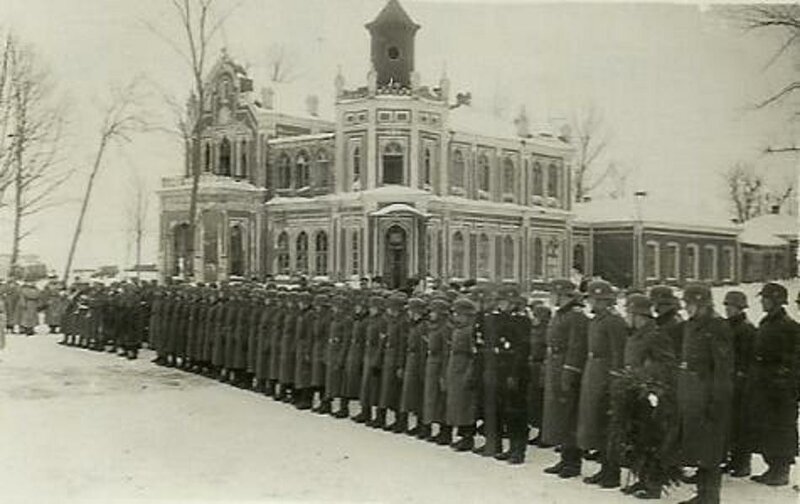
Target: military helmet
[(697, 293), (440, 305), (322, 300), (377, 301), (465, 306), (305, 297), (507, 292), (600, 289), (563, 287), (441, 296), (397, 300), (736, 298), (639, 304), (542, 313), (416, 304), (776, 292), (663, 295)]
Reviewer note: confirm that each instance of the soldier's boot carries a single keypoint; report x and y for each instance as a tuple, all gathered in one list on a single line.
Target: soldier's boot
[(467, 441), (259, 386), (423, 431), (489, 449), (518, 446), (740, 465), (344, 409), (400, 424), (445, 436), (647, 491), (389, 427), (633, 488), (571, 456), (364, 416), (325, 405), (779, 475), (304, 399), (379, 421), (611, 478), (132, 354), (269, 390)]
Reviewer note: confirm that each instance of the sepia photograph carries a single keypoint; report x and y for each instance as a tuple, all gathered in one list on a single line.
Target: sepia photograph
[(399, 251)]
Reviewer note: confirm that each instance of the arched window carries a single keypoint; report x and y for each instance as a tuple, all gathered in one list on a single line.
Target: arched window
[(301, 171), (483, 256), (552, 181), (508, 177), (484, 176), (237, 252), (553, 263), (458, 255), (301, 253), (457, 172), (708, 263), (579, 258), (243, 160), (508, 257), (427, 162), (356, 163), (393, 163), (207, 159), (538, 258), (225, 157), (284, 172), (691, 270), (538, 180), (323, 168), (671, 261), (652, 260), (321, 249), (180, 243), (728, 266), (283, 253)]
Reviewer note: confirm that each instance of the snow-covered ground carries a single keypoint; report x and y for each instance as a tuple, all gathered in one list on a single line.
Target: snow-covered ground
[(78, 426)]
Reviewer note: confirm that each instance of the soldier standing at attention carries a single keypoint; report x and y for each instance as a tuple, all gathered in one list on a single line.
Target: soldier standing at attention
[(393, 360), (413, 370), (373, 353), (354, 364), (275, 339), (744, 334), (668, 318), (512, 347), (338, 327), (434, 407), (705, 389), (319, 352), (775, 387), (566, 358), (263, 352), (460, 381), (538, 342), (607, 333), (485, 375), (303, 341), (288, 356)]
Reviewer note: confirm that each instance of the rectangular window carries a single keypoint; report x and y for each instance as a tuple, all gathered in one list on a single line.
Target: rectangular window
[(670, 267), (728, 264), (651, 266), (691, 262), (708, 263)]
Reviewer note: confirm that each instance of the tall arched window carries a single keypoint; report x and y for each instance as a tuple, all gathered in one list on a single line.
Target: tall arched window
[(302, 172), (508, 257), (323, 168), (284, 172), (237, 251), (483, 256), (538, 180), (691, 271), (458, 169), (356, 163), (243, 161), (321, 257), (393, 161), (427, 162), (225, 157), (207, 159), (538, 258), (552, 181), (508, 177), (484, 176), (283, 253), (458, 255), (301, 253)]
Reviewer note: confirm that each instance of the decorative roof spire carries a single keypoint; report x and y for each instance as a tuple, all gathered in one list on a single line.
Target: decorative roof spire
[(393, 14)]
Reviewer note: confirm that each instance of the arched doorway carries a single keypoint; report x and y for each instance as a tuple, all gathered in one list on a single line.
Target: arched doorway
[(396, 253), (237, 250), (180, 244)]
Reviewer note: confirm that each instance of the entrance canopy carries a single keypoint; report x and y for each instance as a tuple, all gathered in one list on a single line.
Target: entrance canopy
[(399, 208)]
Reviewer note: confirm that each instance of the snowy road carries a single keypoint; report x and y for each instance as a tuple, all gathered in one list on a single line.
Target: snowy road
[(78, 426)]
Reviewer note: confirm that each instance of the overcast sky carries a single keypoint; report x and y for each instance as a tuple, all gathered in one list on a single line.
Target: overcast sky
[(675, 83)]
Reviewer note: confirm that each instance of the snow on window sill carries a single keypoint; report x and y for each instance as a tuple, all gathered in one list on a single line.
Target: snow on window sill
[(457, 190)]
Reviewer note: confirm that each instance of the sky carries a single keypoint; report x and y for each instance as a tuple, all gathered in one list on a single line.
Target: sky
[(676, 85)]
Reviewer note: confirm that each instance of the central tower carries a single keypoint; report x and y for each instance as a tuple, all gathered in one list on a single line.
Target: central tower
[(393, 33)]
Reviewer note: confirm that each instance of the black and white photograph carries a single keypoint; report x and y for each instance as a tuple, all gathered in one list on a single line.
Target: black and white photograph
[(399, 251)]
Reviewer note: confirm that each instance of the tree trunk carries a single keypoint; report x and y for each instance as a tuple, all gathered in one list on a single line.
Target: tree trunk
[(17, 209)]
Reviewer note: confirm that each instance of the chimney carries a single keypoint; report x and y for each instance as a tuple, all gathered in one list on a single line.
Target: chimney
[(312, 105), (522, 123), (267, 98), (775, 209)]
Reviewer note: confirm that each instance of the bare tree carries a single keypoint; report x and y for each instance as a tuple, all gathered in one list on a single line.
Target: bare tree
[(122, 118), (200, 22), (137, 209), (749, 193), (32, 122), (281, 64), (590, 138)]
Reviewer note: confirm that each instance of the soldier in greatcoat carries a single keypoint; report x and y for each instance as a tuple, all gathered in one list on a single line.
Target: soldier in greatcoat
[(218, 334), (393, 342), (373, 360), (354, 364), (460, 382), (287, 355), (30, 298), (254, 313), (540, 319), (607, 333), (156, 332), (11, 298), (438, 337), (510, 331), (774, 384), (705, 389), (487, 409), (667, 307), (566, 358), (263, 343), (319, 353), (413, 369), (56, 304), (744, 334), (338, 324), (275, 339), (303, 347)]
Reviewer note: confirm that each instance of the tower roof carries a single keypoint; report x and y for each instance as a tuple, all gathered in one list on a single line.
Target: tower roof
[(393, 14)]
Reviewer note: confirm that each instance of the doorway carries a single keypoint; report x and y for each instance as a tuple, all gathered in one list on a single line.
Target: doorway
[(396, 270)]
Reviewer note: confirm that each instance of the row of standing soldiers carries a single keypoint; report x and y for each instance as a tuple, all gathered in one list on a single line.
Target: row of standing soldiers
[(455, 367)]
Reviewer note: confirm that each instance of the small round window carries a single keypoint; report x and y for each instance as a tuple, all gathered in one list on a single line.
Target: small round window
[(393, 52)]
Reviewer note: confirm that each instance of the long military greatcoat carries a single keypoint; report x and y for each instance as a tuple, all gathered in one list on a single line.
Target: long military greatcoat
[(439, 334), (607, 333), (354, 365), (774, 387), (264, 342), (414, 369), (705, 388), (566, 353), (373, 354), (287, 356), (275, 341), (303, 345), (256, 307), (393, 360), (56, 306), (319, 352), (743, 333), (29, 306), (220, 329), (538, 342), (340, 331), (460, 380)]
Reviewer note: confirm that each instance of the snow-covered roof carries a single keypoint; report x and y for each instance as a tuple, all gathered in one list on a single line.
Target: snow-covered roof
[(653, 211), (301, 138), (398, 208), (783, 226), (761, 237), (292, 99), (473, 120)]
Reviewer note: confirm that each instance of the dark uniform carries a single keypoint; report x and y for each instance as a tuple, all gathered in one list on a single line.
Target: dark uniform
[(438, 336), (413, 370), (354, 365), (320, 354), (303, 346), (337, 325), (373, 353), (460, 376), (393, 342), (536, 359)]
